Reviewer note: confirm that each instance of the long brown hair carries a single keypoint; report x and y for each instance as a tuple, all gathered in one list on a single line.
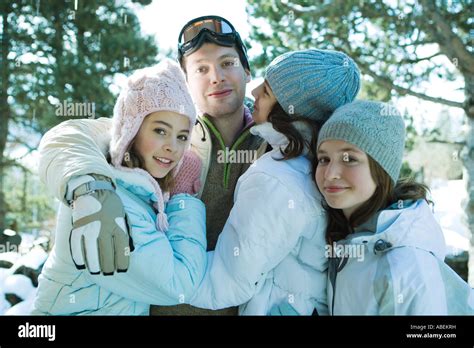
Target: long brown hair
[(385, 195), (132, 159), (283, 123)]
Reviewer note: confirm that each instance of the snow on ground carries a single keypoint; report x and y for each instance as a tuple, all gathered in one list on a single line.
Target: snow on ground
[(449, 197), (28, 259)]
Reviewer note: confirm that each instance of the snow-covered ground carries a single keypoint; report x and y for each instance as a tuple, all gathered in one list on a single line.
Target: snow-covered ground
[(17, 280), (449, 197)]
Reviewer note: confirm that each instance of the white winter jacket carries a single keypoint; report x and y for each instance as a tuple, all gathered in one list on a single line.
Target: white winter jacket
[(394, 266), (271, 250)]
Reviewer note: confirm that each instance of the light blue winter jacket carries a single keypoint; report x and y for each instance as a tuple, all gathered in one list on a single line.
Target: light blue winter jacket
[(165, 269), (394, 266), (271, 249)]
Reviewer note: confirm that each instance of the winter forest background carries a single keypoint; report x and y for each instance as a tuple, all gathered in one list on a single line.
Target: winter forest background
[(66, 59)]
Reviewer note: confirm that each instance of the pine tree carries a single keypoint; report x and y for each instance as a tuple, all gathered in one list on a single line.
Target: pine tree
[(62, 53)]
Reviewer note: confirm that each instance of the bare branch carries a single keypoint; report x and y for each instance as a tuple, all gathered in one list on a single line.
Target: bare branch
[(388, 83), (414, 61), (438, 141), (19, 141), (418, 43), (13, 163), (449, 42)]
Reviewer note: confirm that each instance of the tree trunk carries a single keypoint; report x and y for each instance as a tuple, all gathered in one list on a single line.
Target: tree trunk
[(5, 110), (57, 47), (468, 160)]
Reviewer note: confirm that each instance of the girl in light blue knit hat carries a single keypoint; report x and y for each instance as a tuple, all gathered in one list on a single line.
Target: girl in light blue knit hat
[(385, 248), (271, 250)]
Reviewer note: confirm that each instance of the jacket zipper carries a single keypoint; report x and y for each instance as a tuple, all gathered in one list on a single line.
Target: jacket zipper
[(239, 141)]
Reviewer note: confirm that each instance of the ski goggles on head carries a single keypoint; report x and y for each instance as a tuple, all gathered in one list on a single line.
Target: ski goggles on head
[(209, 28)]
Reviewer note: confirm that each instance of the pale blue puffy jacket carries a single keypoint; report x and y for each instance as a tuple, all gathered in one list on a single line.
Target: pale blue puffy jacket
[(165, 269), (394, 265)]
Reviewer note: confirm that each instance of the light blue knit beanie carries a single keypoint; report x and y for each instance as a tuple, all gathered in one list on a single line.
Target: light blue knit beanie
[(313, 83), (374, 127)]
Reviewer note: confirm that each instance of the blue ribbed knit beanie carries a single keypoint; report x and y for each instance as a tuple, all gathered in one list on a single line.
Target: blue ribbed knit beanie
[(313, 83), (374, 127)]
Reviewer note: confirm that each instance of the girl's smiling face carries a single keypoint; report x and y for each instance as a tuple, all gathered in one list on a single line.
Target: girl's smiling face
[(343, 176), (161, 141)]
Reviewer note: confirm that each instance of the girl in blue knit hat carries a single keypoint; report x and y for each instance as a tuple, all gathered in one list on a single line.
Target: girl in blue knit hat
[(271, 249), (385, 248)]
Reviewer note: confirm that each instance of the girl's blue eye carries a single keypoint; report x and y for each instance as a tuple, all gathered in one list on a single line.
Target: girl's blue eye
[(322, 160)]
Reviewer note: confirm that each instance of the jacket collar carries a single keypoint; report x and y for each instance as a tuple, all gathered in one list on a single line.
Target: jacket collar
[(278, 140), (202, 133), (410, 224), (136, 183)]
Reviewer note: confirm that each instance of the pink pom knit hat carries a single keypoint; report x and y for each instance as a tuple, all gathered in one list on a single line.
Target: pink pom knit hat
[(159, 88)]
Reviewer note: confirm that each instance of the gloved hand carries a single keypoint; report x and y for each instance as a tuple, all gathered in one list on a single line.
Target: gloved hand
[(283, 308), (100, 237), (188, 177)]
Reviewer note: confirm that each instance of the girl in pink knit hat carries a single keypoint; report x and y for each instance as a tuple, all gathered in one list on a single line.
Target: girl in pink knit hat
[(152, 122)]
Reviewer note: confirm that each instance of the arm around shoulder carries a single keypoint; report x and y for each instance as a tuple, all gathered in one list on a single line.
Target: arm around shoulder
[(261, 230), (74, 148)]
